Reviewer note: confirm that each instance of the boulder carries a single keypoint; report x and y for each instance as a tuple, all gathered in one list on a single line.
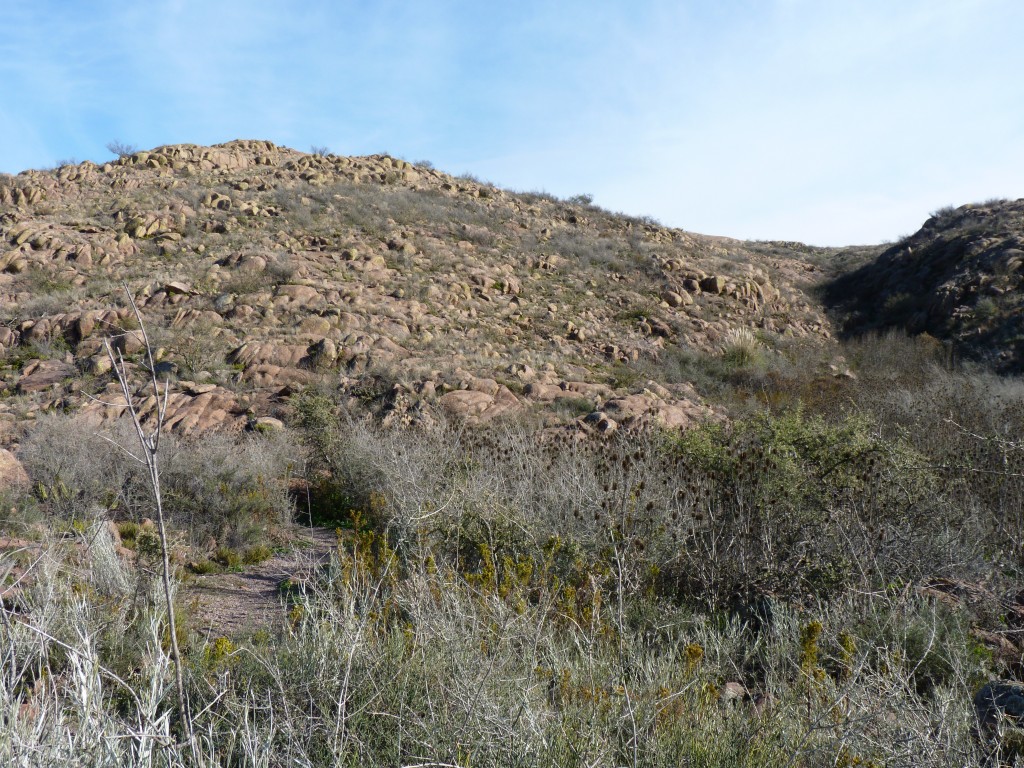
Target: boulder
[(466, 403), (314, 325), (268, 353), (675, 300), (267, 424), (178, 287), (713, 284), (476, 406), (322, 353), (999, 702), (642, 409), (300, 294), (12, 473), (999, 710), (97, 365), (43, 375), (543, 392)]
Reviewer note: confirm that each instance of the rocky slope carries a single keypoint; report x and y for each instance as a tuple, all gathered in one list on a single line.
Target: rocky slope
[(261, 270), (959, 278)]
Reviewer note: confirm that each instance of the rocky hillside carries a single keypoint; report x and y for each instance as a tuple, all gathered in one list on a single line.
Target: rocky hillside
[(261, 270), (959, 278)]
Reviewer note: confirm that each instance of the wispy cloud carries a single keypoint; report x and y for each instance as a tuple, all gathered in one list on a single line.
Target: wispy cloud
[(829, 122)]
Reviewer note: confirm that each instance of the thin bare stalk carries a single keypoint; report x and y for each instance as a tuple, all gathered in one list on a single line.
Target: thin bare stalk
[(150, 444)]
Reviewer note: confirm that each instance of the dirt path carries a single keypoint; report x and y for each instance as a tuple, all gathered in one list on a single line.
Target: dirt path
[(235, 604)]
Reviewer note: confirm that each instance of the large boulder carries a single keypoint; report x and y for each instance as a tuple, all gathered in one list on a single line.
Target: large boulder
[(12, 474), (44, 374), (476, 406), (646, 408), (999, 708)]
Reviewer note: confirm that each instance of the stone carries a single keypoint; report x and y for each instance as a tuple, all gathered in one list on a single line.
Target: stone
[(17, 265), (267, 424), (586, 389), (44, 375), (600, 421), (713, 284), (165, 368), (475, 406), (199, 389), (642, 409), (12, 474), (97, 365), (268, 353), (323, 352), (85, 325), (489, 386), (543, 392), (177, 287), (466, 402), (732, 692), (660, 328), (999, 702), (302, 294), (675, 300), (129, 342), (315, 326), (224, 302)]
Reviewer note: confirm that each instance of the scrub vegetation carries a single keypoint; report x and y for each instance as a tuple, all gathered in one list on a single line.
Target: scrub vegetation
[(529, 483), (789, 587)]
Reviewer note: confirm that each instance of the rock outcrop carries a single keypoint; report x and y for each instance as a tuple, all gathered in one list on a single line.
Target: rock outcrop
[(260, 270), (960, 278)]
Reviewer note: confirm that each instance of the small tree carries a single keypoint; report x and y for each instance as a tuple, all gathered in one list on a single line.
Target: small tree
[(121, 149), (319, 150)]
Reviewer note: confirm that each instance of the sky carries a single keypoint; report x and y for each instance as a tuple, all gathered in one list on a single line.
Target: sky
[(831, 122)]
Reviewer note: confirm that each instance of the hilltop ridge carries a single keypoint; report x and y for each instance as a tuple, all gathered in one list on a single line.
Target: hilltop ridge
[(262, 270)]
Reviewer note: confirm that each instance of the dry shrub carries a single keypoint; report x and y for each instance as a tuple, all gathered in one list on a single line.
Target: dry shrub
[(231, 488)]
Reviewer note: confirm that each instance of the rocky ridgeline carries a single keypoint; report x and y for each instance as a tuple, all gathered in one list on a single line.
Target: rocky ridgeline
[(959, 278), (261, 270)]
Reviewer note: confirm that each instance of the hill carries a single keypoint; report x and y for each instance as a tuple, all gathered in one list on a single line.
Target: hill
[(448, 460), (262, 269), (959, 278)]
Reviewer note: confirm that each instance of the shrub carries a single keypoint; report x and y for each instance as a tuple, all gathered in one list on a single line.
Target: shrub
[(582, 585), (121, 149), (77, 474), (234, 490), (742, 349), (790, 504)]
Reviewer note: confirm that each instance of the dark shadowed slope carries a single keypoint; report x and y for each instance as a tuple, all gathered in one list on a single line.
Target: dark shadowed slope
[(960, 278)]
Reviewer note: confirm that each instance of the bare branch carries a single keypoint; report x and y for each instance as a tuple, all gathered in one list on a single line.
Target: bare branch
[(150, 445), (122, 449)]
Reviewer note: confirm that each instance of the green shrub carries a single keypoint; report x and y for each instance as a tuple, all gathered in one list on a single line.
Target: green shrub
[(792, 504), (256, 554), (227, 557), (204, 567)]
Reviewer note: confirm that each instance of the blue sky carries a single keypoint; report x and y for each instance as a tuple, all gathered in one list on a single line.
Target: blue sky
[(826, 121)]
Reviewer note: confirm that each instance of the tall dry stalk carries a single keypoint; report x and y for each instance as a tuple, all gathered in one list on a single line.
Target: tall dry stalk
[(150, 444)]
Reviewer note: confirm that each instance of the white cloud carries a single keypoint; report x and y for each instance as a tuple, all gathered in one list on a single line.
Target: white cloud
[(790, 118)]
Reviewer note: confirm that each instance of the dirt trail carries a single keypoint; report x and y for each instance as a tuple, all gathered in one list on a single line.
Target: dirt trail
[(233, 604)]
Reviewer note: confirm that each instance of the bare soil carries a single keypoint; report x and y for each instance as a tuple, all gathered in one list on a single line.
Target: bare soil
[(241, 603)]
